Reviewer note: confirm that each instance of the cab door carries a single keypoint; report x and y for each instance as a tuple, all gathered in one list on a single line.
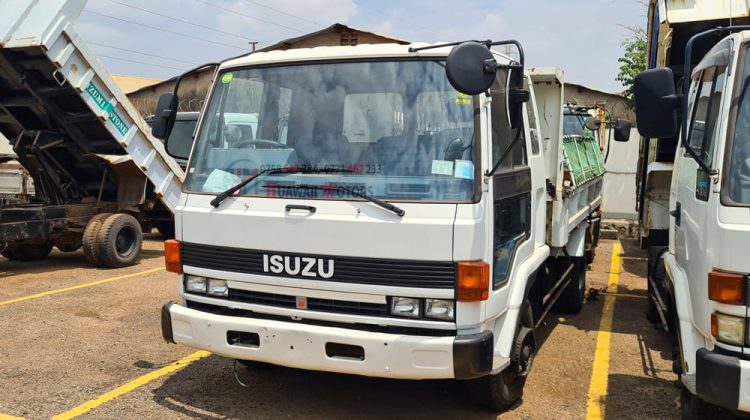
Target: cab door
[(691, 196), (512, 237)]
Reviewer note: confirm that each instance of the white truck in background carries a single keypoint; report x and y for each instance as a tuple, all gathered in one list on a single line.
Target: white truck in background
[(16, 185), (697, 99), (400, 212)]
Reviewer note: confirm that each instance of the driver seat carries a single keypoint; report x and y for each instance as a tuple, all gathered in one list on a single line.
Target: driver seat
[(323, 148)]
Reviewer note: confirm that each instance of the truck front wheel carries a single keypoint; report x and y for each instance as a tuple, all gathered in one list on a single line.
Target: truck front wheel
[(501, 390)]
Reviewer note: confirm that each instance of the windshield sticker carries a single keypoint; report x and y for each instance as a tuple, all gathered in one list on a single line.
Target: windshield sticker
[(220, 180), (227, 78), (464, 169), (462, 99), (442, 167)]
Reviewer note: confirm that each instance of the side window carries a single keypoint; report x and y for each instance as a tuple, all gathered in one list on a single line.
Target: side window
[(505, 140), (707, 103), (371, 116)]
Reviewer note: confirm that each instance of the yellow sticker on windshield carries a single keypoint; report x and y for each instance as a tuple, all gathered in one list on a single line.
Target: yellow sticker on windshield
[(226, 78), (463, 99)]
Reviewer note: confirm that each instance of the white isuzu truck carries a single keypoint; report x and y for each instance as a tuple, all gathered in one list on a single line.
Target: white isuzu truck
[(699, 283), (381, 210)]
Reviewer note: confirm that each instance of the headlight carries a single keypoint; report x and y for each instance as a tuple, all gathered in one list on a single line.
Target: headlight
[(405, 307), (440, 309), (728, 329), (218, 288), (195, 284)]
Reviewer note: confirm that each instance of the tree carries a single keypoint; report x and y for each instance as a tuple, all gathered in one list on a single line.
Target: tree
[(631, 63), (634, 59)]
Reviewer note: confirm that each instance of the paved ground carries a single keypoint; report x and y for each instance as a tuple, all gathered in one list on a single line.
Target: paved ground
[(86, 346)]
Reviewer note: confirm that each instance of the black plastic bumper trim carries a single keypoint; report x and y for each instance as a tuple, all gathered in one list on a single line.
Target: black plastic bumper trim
[(472, 355), (717, 378), (166, 323)]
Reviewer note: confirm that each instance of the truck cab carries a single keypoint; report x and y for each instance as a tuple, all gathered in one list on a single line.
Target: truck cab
[(387, 217), (701, 292)]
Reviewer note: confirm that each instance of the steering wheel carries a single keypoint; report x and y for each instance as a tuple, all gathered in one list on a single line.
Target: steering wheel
[(266, 144)]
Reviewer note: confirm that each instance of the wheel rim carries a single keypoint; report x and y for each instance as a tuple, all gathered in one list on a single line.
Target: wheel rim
[(125, 242)]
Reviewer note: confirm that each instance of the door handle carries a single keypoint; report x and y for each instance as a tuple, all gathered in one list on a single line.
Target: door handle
[(677, 213), (310, 209)]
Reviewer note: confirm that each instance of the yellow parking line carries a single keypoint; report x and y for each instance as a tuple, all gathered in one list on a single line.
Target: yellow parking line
[(124, 389), (600, 375), (624, 295), (80, 286)]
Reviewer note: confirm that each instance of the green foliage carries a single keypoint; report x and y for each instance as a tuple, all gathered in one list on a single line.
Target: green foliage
[(631, 63)]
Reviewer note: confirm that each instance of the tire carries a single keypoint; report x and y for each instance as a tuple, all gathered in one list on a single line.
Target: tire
[(69, 244), (571, 299), (31, 252), (90, 250), (500, 391), (119, 241), (590, 255)]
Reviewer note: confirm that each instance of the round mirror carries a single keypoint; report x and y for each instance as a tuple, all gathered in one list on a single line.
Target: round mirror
[(466, 70)]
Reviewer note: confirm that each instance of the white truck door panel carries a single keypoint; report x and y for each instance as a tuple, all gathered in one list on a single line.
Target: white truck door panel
[(691, 207)]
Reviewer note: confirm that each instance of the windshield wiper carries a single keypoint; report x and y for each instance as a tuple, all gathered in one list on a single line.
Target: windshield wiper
[(297, 170), (388, 206)]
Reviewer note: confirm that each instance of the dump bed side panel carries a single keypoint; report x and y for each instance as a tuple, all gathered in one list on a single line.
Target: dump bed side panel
[(572, 205), (60, 107)]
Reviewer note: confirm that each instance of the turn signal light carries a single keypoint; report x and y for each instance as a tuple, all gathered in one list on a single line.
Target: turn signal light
[(473, 281), (172, 257), (726, 287)]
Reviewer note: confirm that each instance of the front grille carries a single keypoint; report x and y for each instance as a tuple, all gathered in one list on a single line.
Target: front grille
[(388, 329), (380, 272), (313, 304)]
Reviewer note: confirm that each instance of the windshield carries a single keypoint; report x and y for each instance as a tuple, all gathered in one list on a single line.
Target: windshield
[(396, 129)]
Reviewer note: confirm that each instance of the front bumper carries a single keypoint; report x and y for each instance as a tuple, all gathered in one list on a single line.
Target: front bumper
[(723, 380), (305, 346)]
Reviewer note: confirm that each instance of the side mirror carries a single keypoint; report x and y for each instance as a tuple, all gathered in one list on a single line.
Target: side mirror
[(166, 113), (622, 130), (656, 103), (471, 68), (593, 123)]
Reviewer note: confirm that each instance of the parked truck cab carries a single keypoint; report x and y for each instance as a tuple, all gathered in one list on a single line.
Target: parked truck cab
[(387, 217), (700, 291)]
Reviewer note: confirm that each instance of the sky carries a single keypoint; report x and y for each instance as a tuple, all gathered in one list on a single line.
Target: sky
[(162, 39)]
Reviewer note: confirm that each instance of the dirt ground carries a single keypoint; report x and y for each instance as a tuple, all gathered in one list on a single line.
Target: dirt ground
[(58, 351)]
